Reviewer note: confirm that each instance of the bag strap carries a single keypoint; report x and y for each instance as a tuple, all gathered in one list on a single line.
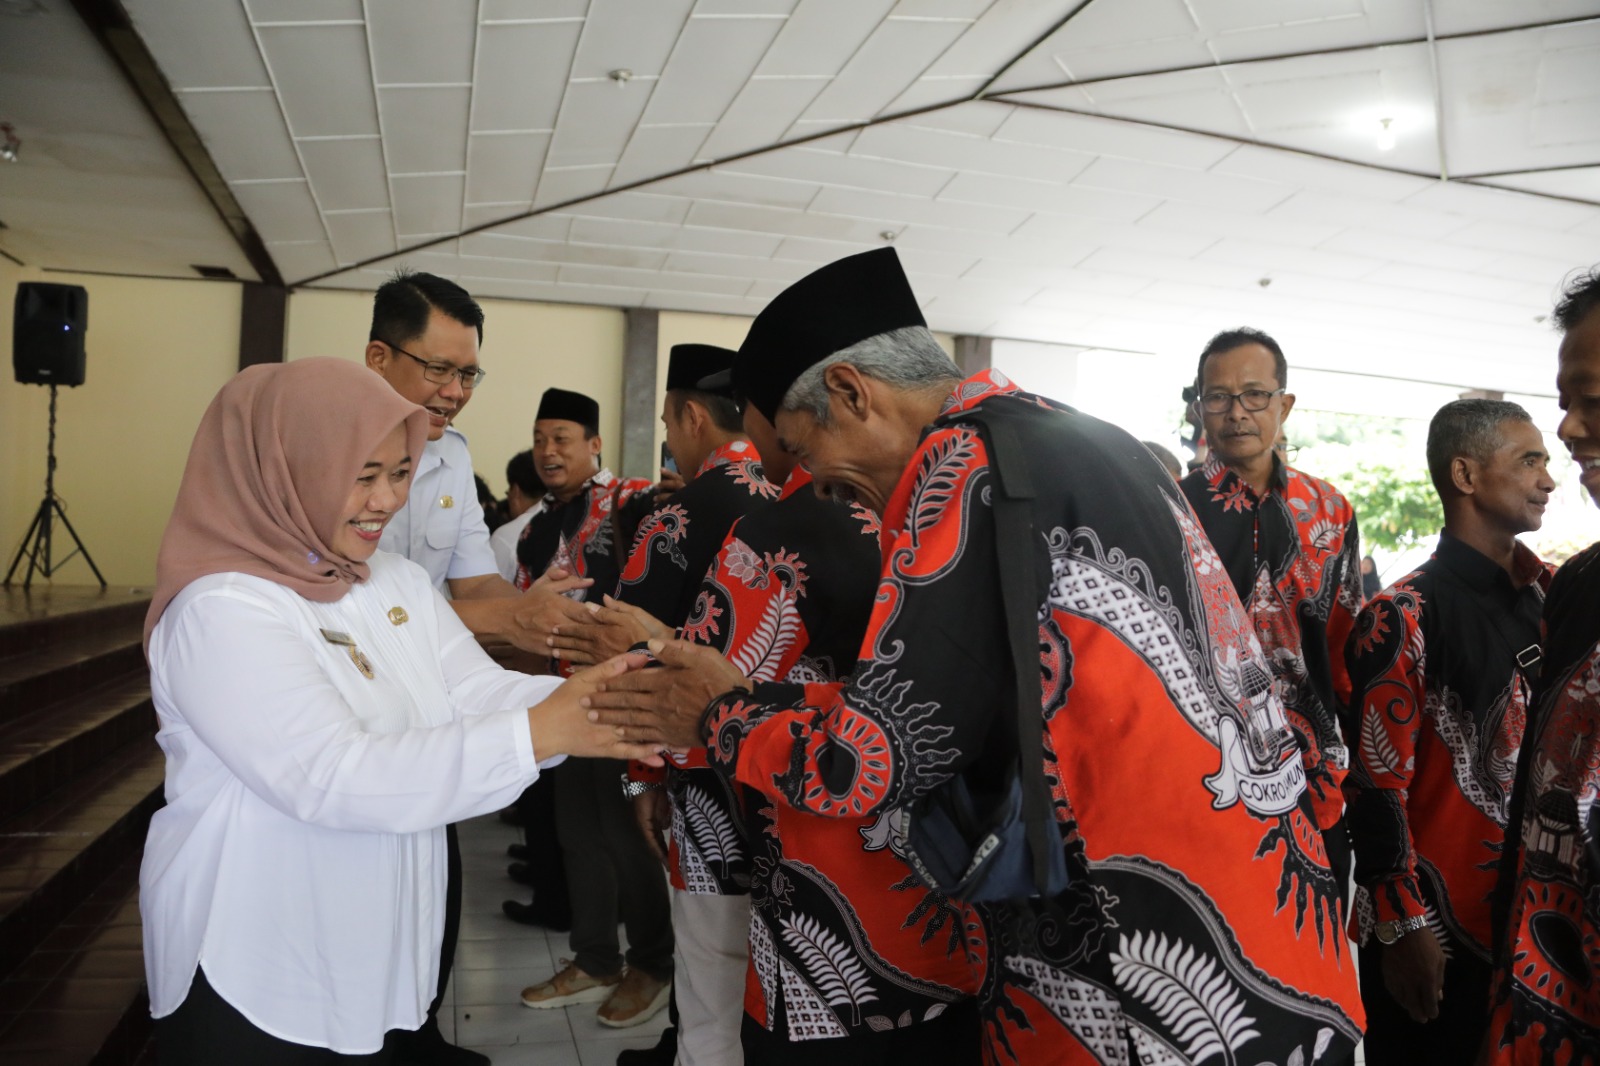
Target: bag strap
[(1015, 539)]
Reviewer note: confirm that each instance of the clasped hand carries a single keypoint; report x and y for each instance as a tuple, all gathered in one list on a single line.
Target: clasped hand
[(662, 704), (605, 632)]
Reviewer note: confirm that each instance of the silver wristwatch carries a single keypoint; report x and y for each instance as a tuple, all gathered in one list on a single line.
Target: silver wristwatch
[(632, 789), (1390, 932)]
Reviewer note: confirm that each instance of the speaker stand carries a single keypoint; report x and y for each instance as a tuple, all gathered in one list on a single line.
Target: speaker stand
[(38, 544)]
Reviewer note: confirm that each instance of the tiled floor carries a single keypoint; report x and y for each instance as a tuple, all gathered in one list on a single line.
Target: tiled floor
[(497, 959)]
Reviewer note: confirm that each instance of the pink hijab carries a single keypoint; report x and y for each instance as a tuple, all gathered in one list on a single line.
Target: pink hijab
[(271, 467)]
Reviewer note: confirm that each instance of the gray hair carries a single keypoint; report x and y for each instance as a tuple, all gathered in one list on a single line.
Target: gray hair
[(906, 358), (1470, 428)]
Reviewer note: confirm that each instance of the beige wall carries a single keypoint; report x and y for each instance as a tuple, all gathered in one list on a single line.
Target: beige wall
[(157, 353), (159, 350)]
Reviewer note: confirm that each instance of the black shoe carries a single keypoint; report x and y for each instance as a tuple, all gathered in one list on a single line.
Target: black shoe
[(533, 914), (663, 1054), (428, 1047), (517, 851)]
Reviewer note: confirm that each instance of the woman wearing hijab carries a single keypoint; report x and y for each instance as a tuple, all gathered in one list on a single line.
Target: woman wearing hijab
[(324, 714)]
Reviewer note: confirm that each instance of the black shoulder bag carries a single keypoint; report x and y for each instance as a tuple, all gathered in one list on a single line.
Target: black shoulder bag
[(1009, 848)]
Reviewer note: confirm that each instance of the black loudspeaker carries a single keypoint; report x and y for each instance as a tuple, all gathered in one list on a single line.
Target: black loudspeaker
[(47, 333)]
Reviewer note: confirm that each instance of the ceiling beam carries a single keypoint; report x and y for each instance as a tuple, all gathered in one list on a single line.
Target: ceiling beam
[(108, 21)]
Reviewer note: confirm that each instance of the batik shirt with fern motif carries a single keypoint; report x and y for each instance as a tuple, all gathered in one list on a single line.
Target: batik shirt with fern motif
[(1441, 703), (674, 547), (1196, 926), (1293, 554), (844, 939)]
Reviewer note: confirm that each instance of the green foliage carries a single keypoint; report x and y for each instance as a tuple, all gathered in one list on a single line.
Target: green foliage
[(1380, 464)]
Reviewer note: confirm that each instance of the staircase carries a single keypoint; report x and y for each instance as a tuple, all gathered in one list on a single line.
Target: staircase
[(80, 775)]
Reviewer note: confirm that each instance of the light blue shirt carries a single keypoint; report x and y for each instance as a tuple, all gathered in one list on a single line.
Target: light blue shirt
[(441, 527)]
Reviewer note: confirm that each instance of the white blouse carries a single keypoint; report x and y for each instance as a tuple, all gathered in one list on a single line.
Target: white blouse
[(301, 854)]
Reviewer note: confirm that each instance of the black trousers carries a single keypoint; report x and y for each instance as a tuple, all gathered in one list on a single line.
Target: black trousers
[(207, 1031), (611, 873), (1451, 1039), (537, 809), (952, 1039)]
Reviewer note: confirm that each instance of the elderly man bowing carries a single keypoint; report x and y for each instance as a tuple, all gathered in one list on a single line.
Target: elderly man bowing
[(1169, 762)]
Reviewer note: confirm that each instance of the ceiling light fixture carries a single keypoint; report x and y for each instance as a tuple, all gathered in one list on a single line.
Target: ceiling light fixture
[(1386, 135), (622, 76), (887, 235), (12, 144)]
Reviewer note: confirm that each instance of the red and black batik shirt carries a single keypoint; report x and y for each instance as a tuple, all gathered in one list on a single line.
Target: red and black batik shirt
[(579, 537), (1439, 665), (1545, 1006), (676, 543), (844, 939), (1294, 557), (674, 547), (1200, 923)]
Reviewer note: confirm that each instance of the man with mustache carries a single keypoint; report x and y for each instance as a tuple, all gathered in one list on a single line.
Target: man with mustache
[(1290, 546), (1442, 663)]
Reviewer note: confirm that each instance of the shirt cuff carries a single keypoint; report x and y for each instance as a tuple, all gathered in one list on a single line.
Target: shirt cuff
[(1397, 898)]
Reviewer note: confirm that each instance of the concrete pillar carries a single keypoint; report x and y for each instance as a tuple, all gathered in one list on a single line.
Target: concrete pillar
[(973, 353), (640, 341)]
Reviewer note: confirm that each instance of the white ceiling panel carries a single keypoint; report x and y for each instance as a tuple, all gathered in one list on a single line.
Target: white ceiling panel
[(266, 153), (1534, 94), (559, 185), (521, 73), (323, 79), (1400, 248), (1475, 16), (1493, 205), (424, 129), (475, 215), (1195, 219), (1102, 136), (740, 188), (638, 37), (597, 119), (422, 42), (656, 150), (484, 268), (500, 244), (820, 38), (427, 203), (1225, 191), (708, 67), (304, 10), (677, 238), (1578, 183), (302, 259), (999, 34), (1315, 206), (231, 60), (806, 163), (1045, 196), (347, 175), (284, 209), (896, 210), (642, 206), (1329, 175), (361, 235), (504, 168), (1103, 40), (937, 148), (1570, 247), (889, 60), (761, 114)]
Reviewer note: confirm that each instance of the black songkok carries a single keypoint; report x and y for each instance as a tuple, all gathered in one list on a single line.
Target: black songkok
[(824, 312), (690, 364), (570, 407)]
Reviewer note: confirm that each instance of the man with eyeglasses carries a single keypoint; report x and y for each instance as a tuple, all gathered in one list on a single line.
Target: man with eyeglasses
[(1289, 543), (424, 343)]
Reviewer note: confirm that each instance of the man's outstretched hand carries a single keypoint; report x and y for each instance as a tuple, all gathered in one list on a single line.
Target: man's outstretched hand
[(608, 631), (663, 704)]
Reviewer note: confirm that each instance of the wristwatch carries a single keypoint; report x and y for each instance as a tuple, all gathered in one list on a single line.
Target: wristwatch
[(632, 789), (1391, 932)]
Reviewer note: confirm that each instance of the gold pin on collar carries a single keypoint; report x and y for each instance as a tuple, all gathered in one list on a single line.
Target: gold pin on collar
[(447, 502), (398, 616)]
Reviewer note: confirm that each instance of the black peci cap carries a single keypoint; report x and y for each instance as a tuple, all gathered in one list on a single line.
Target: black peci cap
[(824, 312), (690, 364), (570, 407)]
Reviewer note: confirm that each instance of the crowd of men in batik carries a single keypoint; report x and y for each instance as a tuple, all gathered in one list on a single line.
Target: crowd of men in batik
[(1231, 729)]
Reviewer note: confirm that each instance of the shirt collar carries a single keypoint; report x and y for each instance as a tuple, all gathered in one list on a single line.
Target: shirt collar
[(1217, 474), (731, 452), (799, 478), (603, 480), (977, 388), (1483, 574)]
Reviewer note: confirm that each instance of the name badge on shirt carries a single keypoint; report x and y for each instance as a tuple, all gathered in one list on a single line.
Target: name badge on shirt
[(347, 642)]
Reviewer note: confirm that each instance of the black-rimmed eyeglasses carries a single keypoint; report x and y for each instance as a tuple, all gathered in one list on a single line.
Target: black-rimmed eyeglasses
[(1220, 403), (441, 373)]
